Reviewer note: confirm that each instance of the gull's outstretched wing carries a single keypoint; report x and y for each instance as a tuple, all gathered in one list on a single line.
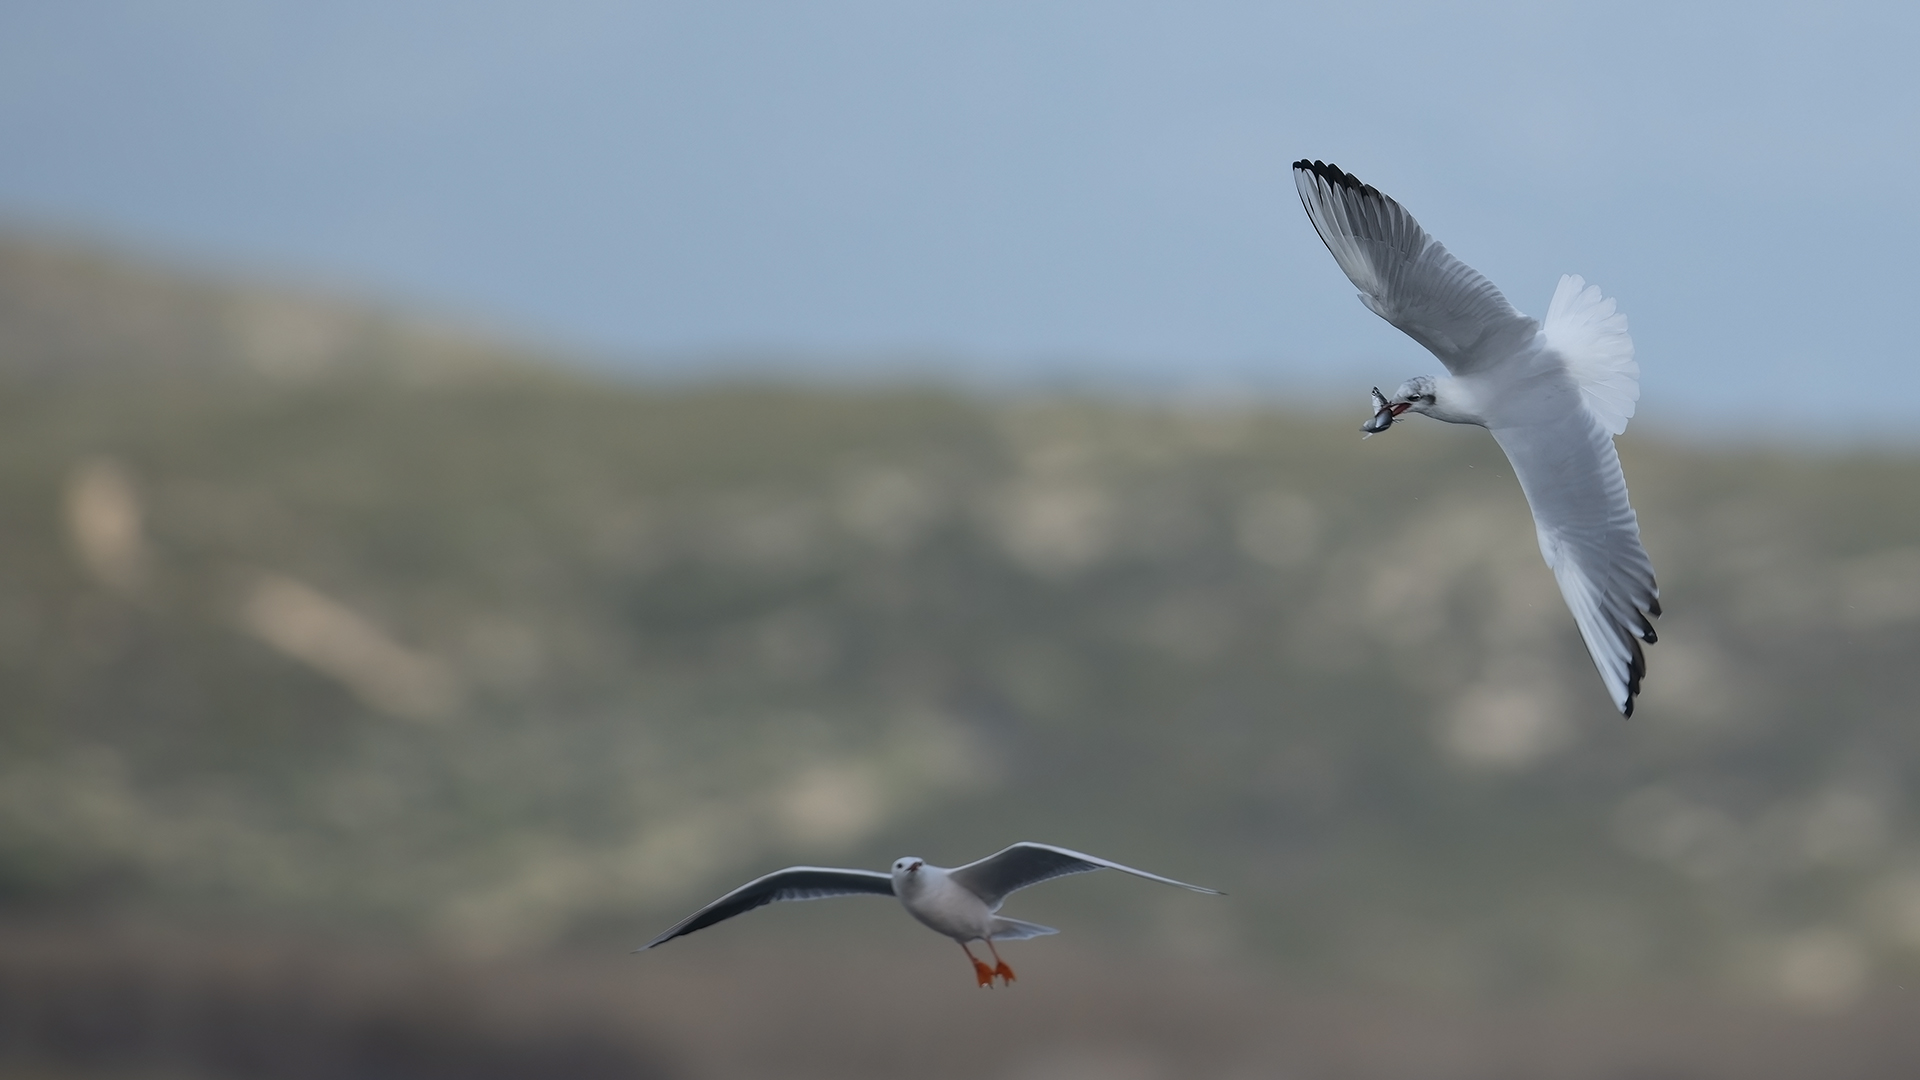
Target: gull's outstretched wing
[(1407, 277), (1566, 464), (1024, 864), (793, 883)]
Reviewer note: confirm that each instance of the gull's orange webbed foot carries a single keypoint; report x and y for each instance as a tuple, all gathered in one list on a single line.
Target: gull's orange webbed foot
[(1004, 972), (982, 972)]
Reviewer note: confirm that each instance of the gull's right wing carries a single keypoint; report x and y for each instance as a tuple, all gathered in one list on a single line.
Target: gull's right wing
[(1407, 277), (1590, 537), (793, 883)]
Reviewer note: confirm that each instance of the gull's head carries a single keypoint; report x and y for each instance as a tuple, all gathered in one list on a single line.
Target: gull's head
[(907, 867), (1416, 394)]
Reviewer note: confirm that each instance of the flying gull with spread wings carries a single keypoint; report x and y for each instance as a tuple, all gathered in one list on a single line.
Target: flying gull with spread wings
[(962, 903), (1554, 392)]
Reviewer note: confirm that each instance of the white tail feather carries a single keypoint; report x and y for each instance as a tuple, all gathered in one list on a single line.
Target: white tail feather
[(1005, 929), (1588, 332)]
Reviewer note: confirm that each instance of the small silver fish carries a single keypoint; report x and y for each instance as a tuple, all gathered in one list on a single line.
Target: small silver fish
[(1384, 414)]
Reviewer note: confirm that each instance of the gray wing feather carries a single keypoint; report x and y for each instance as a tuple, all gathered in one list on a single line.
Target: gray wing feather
[(1407, 277), (1024, 864), (1590, 537), (793, 883)]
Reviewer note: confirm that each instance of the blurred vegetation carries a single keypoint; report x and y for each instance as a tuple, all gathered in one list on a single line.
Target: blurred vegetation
[(411, 636)]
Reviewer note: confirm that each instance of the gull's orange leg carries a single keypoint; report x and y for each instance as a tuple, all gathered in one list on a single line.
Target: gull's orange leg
[(1000, 967), (980, 971)]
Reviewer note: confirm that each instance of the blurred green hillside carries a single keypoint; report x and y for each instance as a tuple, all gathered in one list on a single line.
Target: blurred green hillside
[(311, 618)]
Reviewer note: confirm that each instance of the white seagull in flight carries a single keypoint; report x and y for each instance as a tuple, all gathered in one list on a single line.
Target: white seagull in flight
[(962, 903), (1553, 392)]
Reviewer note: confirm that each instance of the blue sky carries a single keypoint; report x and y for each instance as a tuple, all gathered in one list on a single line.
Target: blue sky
[(1015, 192)]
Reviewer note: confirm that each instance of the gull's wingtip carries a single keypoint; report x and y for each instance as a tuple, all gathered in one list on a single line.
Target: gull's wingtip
[(1333, 174)]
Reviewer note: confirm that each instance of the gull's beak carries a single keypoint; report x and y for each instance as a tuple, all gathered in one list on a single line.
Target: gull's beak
[(1399, 407), (915, 868)]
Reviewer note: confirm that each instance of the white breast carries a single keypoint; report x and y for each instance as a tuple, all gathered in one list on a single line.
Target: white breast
[(934, 899)]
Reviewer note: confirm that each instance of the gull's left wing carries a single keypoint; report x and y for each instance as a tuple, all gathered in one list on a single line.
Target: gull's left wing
[(1406, 276), (1024, 864), (793, 883)]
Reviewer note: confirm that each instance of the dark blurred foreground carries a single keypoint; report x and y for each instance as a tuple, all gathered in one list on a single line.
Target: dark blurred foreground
[(367, 691), (94, 1003)]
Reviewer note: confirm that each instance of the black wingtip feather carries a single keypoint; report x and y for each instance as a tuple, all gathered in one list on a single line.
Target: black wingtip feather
[(1333, 174), (1636, 670)]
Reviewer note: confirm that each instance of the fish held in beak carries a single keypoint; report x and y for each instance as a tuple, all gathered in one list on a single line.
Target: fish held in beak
[(1384, 414)]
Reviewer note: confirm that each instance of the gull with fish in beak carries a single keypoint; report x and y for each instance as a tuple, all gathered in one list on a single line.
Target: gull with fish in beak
[(962, 903), (1553, 392)]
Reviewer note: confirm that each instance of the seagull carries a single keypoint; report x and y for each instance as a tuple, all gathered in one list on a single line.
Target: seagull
[(1553, 392), (962, 903)]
